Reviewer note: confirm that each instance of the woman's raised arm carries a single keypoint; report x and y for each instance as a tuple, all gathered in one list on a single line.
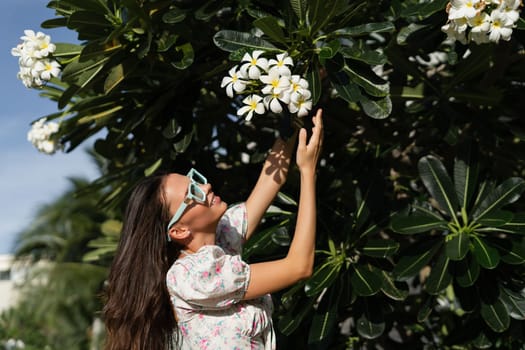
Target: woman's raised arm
[(269, 277)]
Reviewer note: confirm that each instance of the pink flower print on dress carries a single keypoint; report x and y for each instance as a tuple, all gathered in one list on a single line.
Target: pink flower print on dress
[(217, 267)]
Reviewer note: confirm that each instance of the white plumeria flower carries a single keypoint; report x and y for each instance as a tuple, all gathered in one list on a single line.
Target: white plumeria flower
[(510, 9), (254, 64), (39, 43), (480, 23), (298, 84), (275, 82), (234, 82), (456, 30), (47, 69), (479, 37), (282, 62), (253, 103), (500, 27), (463, 8), (301, 104), (273, 101), (41, 134)]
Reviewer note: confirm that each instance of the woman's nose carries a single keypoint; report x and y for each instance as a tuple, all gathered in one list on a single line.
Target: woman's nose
[(206, 188)]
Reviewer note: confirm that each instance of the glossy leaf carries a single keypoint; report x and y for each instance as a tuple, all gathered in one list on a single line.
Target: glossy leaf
[(377, 108), (371, 324), (467, 271), (174, 16), (486, 255), (495, 315), (410, 224), (371, 83), (515, 303), (457, 245), (440, 276), (270, 27), (187, 58), (438, 183), (413, 259), (496, 218), (365, 280), (314, 83), (516, 225), (465, 176), (508, 192), (511, 251), (364, 55), (425, 309), (299, 7), (380, 248), (230, 40), (323, 324), (367, 28), (67, 50), (322, 278), (292, 319), (390, 289), (423, 10)]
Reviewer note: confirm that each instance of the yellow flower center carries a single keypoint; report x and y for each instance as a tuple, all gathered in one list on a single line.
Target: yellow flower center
[(496, 24), (253, 105), (48, 67)]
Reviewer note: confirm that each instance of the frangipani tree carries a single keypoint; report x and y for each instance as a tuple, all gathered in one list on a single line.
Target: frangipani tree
[(160, 85)]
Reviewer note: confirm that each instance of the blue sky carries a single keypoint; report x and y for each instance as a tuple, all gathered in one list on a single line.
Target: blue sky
[(28, 179)]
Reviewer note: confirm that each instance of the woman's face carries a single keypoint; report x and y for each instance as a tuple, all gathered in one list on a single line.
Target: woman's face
[(197, 216)]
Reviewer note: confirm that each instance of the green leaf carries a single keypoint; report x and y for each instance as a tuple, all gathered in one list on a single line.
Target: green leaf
[(371, 83), (230, 40), (380, 248), (314, 83), (323, 324), (367, 28), (67, 50), (188, 55), (414, 258), (457, 245), (416, 223), (516, 225), (365, 280), (405, 32), (496, 218), (425, 309), (299, 7), (515, 303), (467, 271), (508, 192), (495, 315), (511, 251), (438, 183), (440, 276), (371, 324), (390, 289), (322, 278), (292, 319), (88, 19), (465, 176), (54, 23), (173, 16), (425, 9), (320, 12), (364, 55), (271, 28), (153, 167), (80, 73), (486, 255), (377, 108)]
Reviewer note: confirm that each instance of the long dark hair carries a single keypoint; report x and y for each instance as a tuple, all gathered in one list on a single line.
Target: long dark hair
[(138, 313)]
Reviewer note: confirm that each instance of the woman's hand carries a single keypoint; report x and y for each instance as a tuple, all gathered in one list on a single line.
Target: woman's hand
[(308, 153)]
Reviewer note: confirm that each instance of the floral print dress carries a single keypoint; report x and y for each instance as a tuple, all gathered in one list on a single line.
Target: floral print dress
[(207, 288)]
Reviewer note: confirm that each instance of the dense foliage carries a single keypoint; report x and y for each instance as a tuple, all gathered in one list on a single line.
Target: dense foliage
[(421, 231)]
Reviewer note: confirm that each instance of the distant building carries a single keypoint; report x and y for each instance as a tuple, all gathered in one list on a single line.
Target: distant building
[(8, 278)]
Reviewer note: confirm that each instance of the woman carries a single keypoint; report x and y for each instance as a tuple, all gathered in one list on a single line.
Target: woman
[(192, 290)]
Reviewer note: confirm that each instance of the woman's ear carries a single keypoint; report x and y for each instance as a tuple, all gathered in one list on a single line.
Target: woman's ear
[(179, 233)]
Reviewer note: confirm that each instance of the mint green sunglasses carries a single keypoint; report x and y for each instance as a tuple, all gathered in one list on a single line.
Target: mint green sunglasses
[(194, 193)]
